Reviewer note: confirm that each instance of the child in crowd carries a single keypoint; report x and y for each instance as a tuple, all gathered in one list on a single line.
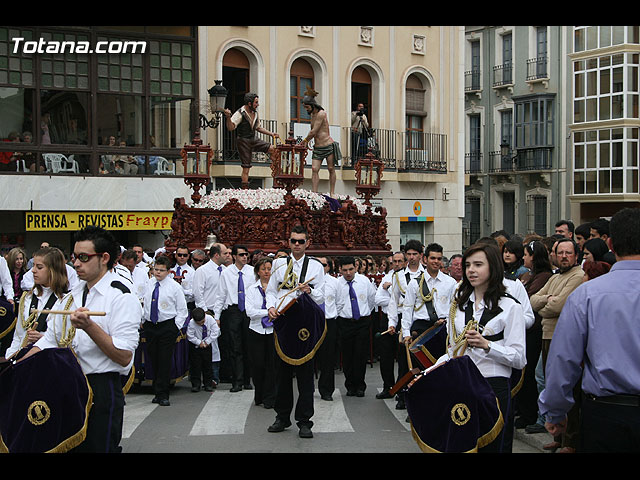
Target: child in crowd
[(202, 333)]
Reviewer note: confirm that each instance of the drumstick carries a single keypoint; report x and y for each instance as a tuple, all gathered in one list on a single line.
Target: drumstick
[(68, 312), (379, 334), (288, 293), (408, 357)]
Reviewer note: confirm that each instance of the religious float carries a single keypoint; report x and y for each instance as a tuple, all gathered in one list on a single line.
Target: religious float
[(263, 219)]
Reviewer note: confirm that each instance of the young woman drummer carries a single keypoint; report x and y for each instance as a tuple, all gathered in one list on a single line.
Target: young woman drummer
[(50, 284), (488, 325)]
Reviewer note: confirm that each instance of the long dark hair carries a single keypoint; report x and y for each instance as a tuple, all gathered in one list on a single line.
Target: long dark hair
[(540, 254), (495, 287), (515, 247)]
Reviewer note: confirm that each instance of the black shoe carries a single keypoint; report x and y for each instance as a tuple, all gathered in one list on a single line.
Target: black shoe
[(208, 389), (305, 432), (535, 428), (384, 394), (164, 402), (155, 400), (522, 423), (326, 397), (278, 426), (268, 406), (195, 389), (360, 393), (248, 386), (236, 388), (400, 405), (351, 393)]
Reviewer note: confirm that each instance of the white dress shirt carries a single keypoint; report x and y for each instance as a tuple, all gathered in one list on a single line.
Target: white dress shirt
[(194, 331), (140, 280), (398, 292), (205, 284), (519, 292), (315, 272), (6, 283), (227, 291), (504, 354), (121, 323), (365, 294), (330, 290), (383, 295), (445, 289), (19, 333), (255, 312), (187, 272), (171, 301)]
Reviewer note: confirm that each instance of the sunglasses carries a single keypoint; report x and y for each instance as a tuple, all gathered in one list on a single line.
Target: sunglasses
[(200, 260), (83, 257), (242, 254), (300, 241), (182, 254)]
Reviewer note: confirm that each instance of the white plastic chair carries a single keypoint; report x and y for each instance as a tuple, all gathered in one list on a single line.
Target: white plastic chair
[(165, 167), (58, 163)]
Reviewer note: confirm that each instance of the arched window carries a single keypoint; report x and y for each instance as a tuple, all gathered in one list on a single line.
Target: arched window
[(301, 78)]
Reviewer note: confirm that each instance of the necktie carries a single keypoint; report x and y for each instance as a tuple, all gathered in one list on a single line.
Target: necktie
[(219, 268), (84, 295), (204, 332), (154, 303), (266, 323), (355, 310), (178, 272), (240, 292)]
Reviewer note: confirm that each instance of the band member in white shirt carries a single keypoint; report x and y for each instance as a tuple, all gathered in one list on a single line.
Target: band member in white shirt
[(355, 301), (229, 309), (165, 313), (309, 280), (207, 278), (183, 273), (202, 334), (104, 345), (389, 298), (328, 350)]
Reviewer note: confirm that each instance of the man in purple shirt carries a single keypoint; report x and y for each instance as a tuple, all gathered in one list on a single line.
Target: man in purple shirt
[(598, 337)]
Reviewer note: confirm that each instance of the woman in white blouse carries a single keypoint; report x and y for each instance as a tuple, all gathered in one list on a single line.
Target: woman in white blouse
[(260, 339), (488, 325), (50, 284)]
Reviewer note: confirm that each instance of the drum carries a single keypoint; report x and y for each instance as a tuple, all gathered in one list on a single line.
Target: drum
[(44, 403), (452, 408)]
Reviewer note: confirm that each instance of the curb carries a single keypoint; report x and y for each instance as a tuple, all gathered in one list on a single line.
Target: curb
[(536, 440)]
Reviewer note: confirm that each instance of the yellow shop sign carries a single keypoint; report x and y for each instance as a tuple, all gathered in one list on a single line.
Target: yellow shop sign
[(52, 221)]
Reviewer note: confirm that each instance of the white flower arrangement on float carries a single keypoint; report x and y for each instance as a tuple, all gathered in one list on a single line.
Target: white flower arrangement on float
[(269, 198)]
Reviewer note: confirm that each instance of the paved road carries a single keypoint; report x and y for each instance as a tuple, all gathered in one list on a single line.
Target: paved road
[(225, 422)]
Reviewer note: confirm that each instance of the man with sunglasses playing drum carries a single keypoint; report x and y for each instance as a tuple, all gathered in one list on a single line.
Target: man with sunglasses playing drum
[(104, 345)]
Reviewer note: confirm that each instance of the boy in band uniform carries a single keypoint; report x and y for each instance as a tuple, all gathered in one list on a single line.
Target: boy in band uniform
[(165, 313), (202, 332)]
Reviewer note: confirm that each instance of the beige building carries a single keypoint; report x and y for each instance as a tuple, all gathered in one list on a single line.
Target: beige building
[(409, 79), (81, 116)]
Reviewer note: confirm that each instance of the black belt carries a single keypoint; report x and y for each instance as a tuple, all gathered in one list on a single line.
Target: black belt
[(624, 400)]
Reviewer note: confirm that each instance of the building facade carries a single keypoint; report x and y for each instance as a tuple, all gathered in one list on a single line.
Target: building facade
[(119, 119), (603, 120), (515, 141)]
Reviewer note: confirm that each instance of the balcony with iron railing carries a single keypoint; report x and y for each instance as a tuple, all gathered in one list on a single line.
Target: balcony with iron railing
[(503, 75), (473, 163), (521, 160), (472, 80), (538, 69)]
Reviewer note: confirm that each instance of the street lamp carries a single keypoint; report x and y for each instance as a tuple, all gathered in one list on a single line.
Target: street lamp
[(507, 156), (217, 99)]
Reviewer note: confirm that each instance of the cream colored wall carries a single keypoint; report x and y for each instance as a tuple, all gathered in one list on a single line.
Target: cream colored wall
[(337, 52)]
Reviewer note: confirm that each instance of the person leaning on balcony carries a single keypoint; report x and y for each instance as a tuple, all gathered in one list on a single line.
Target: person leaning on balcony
[(247, 122)]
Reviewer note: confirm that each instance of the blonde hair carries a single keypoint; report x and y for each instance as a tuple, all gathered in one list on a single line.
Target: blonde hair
[(54, 260), (12, 256)]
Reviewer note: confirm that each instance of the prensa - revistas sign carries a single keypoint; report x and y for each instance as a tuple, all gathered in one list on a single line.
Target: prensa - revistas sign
[(69, 221)]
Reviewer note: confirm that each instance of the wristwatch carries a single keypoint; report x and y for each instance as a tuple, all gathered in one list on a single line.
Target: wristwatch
[(488, 349)]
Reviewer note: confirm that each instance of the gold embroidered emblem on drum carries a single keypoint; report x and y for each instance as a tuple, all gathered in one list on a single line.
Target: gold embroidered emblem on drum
[(460, 414), (303, 334), (38, 412)]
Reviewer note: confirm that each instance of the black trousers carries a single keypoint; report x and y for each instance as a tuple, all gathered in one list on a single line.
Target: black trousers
[(233, 332), (200, 366), (609, 428), (326, 359), (284, 396), (104, 425), (526, 400), (354, 346), (263, 358), (387, 347), (161, 343), (503, 443)]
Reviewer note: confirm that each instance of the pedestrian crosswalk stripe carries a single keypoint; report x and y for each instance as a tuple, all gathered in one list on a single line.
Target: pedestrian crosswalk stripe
[(225, 413), (137, 408), (330, 417)]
